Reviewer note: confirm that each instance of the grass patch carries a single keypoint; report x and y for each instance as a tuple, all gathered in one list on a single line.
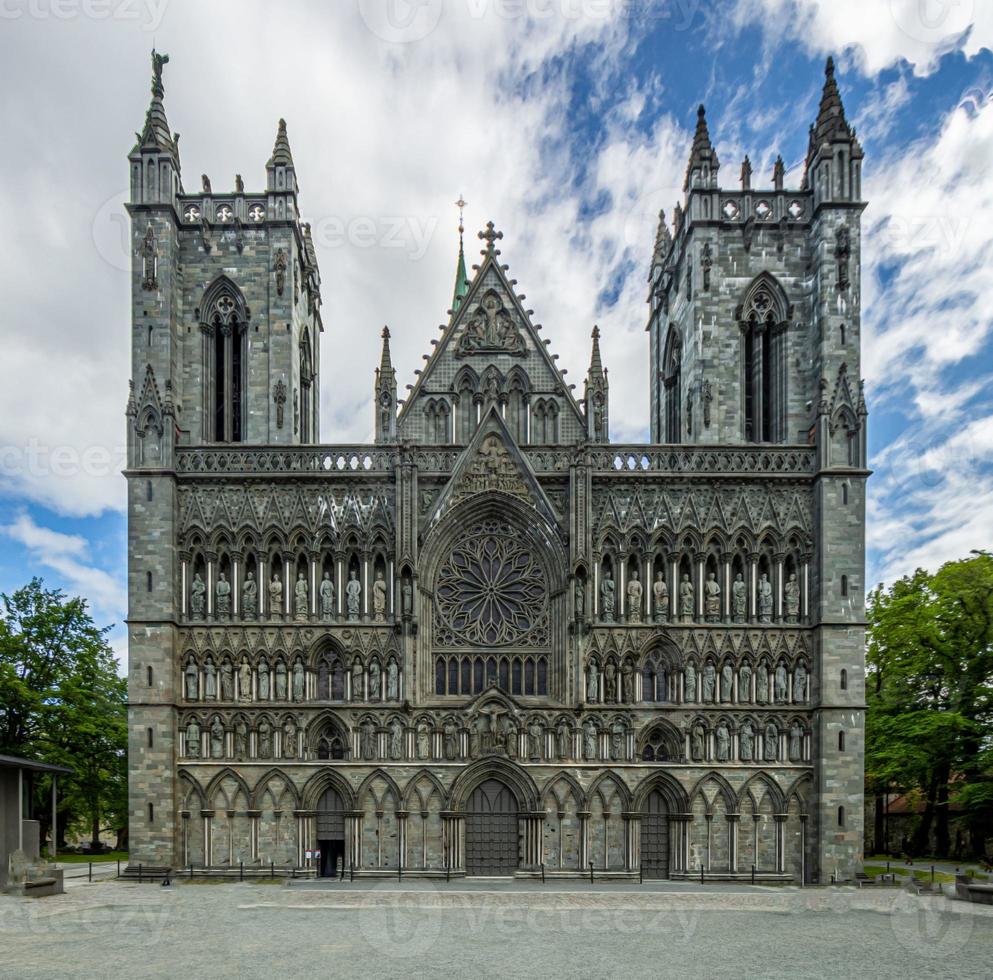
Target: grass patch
[(121, 856)]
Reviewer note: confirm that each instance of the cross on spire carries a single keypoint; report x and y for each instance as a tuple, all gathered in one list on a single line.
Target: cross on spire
[(490, 236), (461, 204)]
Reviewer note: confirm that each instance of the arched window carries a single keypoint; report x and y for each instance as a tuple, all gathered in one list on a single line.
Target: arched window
[(306, 389), (844, 585), (844, 679), (148, 581), (763, 323), (151, 813), (439, 675), (671, 374), (653, 679), (151, 676), (223, 323), (841, 741), (151, 738), (841, 817)]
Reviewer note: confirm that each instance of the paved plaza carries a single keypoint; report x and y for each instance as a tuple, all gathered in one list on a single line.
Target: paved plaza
[(489, 929)]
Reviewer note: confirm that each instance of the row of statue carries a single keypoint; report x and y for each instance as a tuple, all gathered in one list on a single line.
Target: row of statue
[(280, 683), (301, 597), (264, 739), (634, 596), (762, 746)]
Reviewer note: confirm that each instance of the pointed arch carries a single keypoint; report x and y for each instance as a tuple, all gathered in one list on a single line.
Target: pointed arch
[(723, 788), (323, 780), (619, 786), (668, 787), (516, 778), (263, 785), (570, 781), (760, 785), (224, 317), (366, 788), (763, 318), (411, 790)]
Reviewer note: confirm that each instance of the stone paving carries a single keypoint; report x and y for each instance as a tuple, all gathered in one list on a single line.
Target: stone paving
[(489, 929)]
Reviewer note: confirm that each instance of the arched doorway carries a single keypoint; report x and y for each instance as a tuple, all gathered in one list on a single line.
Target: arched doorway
[(330, 832), (655, 837), (491, 835)]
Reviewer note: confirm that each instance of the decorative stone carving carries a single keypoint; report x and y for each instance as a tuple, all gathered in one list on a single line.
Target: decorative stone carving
[(396, 739), (727, 682), (796, 742), (249, 597), (709, 682), (589, 740), (689, 682), (265, 740), (149, 261), (686, 599), (746, 742), (744, 684), (634, 595), (375, 681), (244, 681), (765, 599), (610, 683), (222, 597), (368, 741), (407, 596), (712, 599), (209, 681), (358, 675), (771, 742), (280, 681), (240, 739), (592, 682), (263, 679), (698, 742), (660, 594), (327, 597), (627, 681), (379, 598), (299, 680), (279, 267), (448, 738), (739, 599), (192, 678), (193, 740), (723, 740), (617, 739), (492, 469), (536, 734), (607, 588), (762, 684), (279, 398), (800, 684), (791, 600), (353, 596), (301, 599), (227, 681), (579, 597), (216, 738), (490, 327), (392, 680), (276, 597), (423, 741), (562, 736), (198, 594), (780, 684)]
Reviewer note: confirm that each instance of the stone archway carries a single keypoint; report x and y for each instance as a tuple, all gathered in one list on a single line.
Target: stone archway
[(491, 830), (331, 832)]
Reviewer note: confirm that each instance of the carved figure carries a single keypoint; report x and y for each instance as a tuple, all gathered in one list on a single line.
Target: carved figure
[(249, 597), (392, 680), (610, 683), (379, 598), (375, 683), (762, 684), (791, 600), (739, 598), (698, 743), (796, 742), (396, 739), (353, 596), (193, 740), (607, 599), (746, 739), (535, 735), (209, 681), (289, 739), (723, 743), (589, 739), (191, 680), (300, 599), (241, 739), (216, 739), (369, 740), (771, 742), (686, 597), (744, 683), (198, 593), (244, 681), (634, 594), (709, 682), (592, 682), (660, 592), (780, 683), (222, 597), (327, 597), (263, 679), (562, 739), (299, 680), (358, 694), (227, 681), (407, 596), (689, 682), (712, 599), (449, 735), (627, 681), (727, 681), (617, 735), (265, 740), (800, 684), (765, 599), (276, 597), (280, 681), (579, 597), (423, 741)]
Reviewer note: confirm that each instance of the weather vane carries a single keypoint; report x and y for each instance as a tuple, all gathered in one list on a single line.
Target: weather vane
[(460, 204)]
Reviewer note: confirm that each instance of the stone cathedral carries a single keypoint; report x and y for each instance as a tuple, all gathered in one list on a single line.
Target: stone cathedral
[(493, 642)]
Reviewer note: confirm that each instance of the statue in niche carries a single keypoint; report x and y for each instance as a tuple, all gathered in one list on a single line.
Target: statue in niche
[(780, 683), (289, 739), (392, 680), (475, 737), (712, 599), (222, 596), (589, 739), (265, 740), (327, 597), (191, 680), (407, 596), (562, 739), (610, 683), (375, 681), (449, 736), (353, 596), (423, 741), (300, 599), (508, 741), (771, 742), (627, 681), (723, 740), (791, 600), (634, 592), (762, 684), (579, 597), (249, 597), (535, 735), (368, 740), (607, 599), (592, 682), (299, 680), (263, 679), (379, 598), (198, 594), (698, 743), (358, 694), (617, 735), (193, 740), (727, 682), (739, 599), (744, 684), (209, 681), (660, 592), (709, 682), (280, 680), (686, 594), (241, 739), (800, 684), (227, 680), (689, 682), (491, 735), (746, 742), (796, 742), (244, 681), (765, 599), (276, 597), (216, 739), (396, 739)]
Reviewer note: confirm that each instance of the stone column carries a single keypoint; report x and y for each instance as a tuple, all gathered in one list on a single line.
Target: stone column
[(236, 566), (674, 590), (315, 582), (726, 588), (733, 821), (621, 579), (184, 815), (453, 830), (208, 844), (777, 607), (364, 569), (780, 820), (339, 586), (632, 841), (805, 589), (263, 585), (353, 839), (709, 818), (253, 834), (595, 580), (584, 839), (289, 582), (402, 838), (701, 568), (211, 577), (390, 587), (753, 585), (184, 583), (648, 602)]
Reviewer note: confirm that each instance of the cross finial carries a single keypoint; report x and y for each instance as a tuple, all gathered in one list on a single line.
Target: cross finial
[(460, 204), (490, 236)]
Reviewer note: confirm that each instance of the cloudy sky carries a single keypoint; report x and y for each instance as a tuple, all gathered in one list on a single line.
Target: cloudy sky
[(566, 122)]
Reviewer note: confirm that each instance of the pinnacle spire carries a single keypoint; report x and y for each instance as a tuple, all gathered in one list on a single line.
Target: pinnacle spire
[(702, 152), (281, 155), (461, 278), (663, 239), (596, 362), (385, 362), (156, 134), (831, 121)]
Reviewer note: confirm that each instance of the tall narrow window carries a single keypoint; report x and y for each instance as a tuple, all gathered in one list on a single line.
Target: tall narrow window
[(671, 373), (844, 585), (151, 738), (841, 817), (843, 680), (306, 389), (223, 322), (841, 741), (763, 322), (150, 676)]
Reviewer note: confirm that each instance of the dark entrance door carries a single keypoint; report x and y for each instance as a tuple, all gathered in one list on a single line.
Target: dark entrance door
[(491, 837), (655, 838), (330, 832)]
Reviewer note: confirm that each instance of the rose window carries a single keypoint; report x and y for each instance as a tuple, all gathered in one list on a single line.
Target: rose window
[(491, 591)]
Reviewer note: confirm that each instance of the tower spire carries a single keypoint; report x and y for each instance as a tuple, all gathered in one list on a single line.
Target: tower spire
[(703, 165), (597, 394), (386, 394), (281, 155), (155, 134), (830, 134), (461, 280)]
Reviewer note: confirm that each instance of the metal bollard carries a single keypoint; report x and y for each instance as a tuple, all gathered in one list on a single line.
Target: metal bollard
[(118, 867), (701, 874), (241, 870), (89, 874), (932, 874), (591, 872), (753, 874), (139, 874), (191, 870), (641, 874), (543, 874), (272, 869)]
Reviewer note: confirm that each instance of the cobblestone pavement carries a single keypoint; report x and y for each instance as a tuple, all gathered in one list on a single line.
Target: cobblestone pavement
[(486, 929)]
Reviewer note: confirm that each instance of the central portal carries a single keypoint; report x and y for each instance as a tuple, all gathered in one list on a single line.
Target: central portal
[(331, 834), (491, 835), (655, 838)]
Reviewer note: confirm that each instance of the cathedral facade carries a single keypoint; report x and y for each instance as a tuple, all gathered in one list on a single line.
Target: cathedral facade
[(492, 642)]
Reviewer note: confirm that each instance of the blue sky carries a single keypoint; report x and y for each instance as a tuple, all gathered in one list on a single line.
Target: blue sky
[(568, 123)]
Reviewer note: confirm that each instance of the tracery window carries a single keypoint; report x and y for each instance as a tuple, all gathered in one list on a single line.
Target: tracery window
[(471, 675), (763, 324), (223, 323)]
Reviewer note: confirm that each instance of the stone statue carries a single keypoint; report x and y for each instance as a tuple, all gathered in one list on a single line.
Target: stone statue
[(375, 681), (407, 596), (358, 694), (265, 740), (368, 740), (244, 681), (660, 592), (771, 742), (762, 684), (216, 739), (746, 742), (727, 682), (617, 734), (796, 742), (191, 680), (765, 599), (791, 600), (276, 597), (562, 739), (209, 681), (698, 743), (299, 680), (227, 680), (780, 683), (222, 596), (300, 599), (607, 599), (686, 594), (579, 597), (589, 739), (241, 739), (592, 682), (396, 739), (723, 738), (449, 736), (392, 680), (193, 740), (280, 680), (327, 597), (610, 683), (689, 682), (744, 684), (634, 592), (627, 681), (712, 599), (800, 684), (379, 598), (353, 596), (535, 735), (249, 597), (263, 679), (289, 739), (508, 740), (198, 597), (739, 599), (423, 741), (709, 682)]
